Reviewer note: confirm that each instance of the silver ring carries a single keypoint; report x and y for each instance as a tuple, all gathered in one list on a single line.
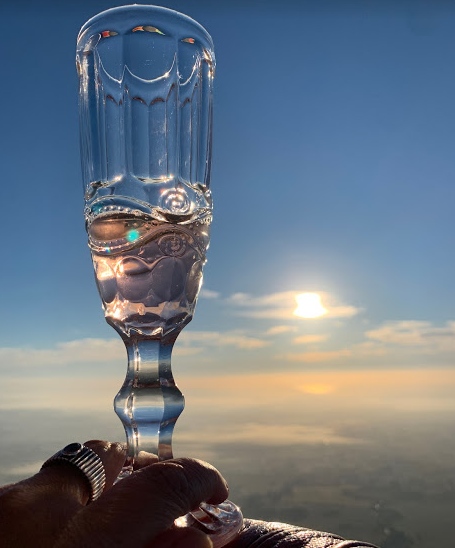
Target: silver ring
[(85, 460)]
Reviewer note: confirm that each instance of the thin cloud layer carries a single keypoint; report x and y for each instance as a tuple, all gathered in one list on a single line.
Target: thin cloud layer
[(81, 350), (310, 339), (270, 435), (108, 350), (208, 294), (236, 339), (282, 305), (403, 341), (70, 393), (280, 329), (422, 335), (317, 356), (283, 393)]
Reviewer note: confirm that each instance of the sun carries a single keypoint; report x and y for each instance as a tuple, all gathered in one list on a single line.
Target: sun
[(309, 306)]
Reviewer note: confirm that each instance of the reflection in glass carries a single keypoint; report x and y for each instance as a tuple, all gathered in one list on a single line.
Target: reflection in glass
[(146, 79)]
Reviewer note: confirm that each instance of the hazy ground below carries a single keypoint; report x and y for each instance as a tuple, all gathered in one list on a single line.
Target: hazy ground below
[(386, 478)]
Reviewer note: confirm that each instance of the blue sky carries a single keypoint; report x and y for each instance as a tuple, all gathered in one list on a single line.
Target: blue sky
[(333, 173), (333, 166)]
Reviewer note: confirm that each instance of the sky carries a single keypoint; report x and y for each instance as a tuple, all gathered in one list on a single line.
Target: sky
[(333, 170)]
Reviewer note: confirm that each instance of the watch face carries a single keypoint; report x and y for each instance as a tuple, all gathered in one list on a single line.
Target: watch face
[(71, 449)]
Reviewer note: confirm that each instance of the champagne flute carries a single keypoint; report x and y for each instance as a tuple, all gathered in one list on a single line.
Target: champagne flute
[(145, 103)]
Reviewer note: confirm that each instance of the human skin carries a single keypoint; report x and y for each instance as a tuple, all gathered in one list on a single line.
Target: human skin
[(51, 510)]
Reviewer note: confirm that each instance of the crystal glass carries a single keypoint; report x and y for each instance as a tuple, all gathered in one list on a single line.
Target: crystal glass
[(145, 102)]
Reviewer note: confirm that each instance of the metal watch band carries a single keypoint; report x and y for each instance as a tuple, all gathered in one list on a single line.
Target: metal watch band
[(87, 461)]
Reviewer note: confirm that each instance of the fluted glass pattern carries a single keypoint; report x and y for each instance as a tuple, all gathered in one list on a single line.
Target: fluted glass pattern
[(145, 103), (146, 111)]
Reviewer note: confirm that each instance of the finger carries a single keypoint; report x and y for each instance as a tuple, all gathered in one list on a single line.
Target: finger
[(181, 538), (64, 481), (49, 499), (150, 499), (144, 459), (5, 488), (184, 482), (112, 455)]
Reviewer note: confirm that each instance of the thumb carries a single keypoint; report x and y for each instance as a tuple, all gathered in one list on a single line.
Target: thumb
[(151, 499)]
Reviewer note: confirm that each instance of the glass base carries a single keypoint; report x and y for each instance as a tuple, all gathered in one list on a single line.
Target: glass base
[(221, 523)]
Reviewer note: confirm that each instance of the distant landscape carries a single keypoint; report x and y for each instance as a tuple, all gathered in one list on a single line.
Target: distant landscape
[(382, 475)]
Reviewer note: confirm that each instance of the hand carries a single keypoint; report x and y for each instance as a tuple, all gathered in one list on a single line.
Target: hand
[(50, 509)]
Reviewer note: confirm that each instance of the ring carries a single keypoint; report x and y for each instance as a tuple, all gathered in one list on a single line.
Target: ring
[(85, 460)]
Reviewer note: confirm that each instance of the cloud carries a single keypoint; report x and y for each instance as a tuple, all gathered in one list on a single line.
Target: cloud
[(91, 351), (309, 339), (269, 434), (369, 348), (279, 329), (283, 304), (82, 350), (184, 351), (317, 357), (235, 339), (417, 334), (400, 339), (208, 294), (86, 393), (284, 395)]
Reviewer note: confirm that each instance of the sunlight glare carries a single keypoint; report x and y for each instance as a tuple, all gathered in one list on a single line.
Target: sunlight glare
[(309, 306), (103, 270)]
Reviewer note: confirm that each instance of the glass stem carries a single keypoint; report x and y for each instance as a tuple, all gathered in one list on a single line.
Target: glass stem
[(149, 403)]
